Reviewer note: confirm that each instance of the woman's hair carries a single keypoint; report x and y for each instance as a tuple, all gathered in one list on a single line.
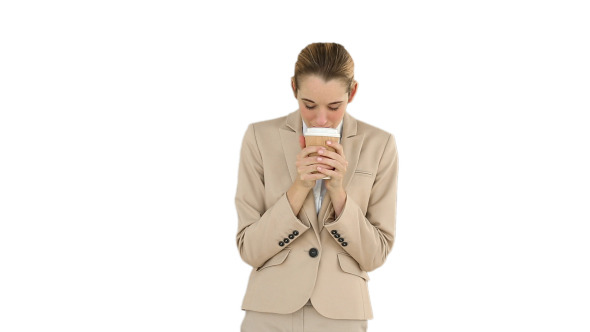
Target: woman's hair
[(327, 60)]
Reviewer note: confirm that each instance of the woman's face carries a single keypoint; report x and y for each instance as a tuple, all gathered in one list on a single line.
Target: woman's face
[(321, 103)]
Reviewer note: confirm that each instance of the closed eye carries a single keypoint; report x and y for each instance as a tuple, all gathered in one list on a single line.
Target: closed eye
[(330, 108)]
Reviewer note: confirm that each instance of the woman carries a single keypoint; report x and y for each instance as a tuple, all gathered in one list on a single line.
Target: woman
[(312, 241)]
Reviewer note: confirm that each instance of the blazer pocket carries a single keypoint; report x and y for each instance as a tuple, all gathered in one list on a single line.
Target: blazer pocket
[(277, 259), (364, 173), (349, 265)]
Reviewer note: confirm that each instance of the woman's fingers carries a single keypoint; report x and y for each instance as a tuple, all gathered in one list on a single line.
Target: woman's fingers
[(311, 149), (311, 161), (310, 172), (337, 146), (330, 162), (302, 142), (333, 155), (304, 157), (331, 173), (326, 162)]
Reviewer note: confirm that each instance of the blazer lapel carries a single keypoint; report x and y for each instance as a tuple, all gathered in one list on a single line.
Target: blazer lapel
[(290, 140), (352, 143)]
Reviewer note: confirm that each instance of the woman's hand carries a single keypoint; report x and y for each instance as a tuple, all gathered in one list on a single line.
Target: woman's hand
[(336, 172), (307, 166), (337, 166), (307, 174), (312, 168)]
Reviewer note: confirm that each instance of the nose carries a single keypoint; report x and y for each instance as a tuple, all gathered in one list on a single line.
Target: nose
[(321, 118)]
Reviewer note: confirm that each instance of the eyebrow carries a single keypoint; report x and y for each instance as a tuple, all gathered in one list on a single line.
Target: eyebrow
[(311, 101)]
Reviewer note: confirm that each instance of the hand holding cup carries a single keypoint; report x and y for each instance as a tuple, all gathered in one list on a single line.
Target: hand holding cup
[(319, 137)]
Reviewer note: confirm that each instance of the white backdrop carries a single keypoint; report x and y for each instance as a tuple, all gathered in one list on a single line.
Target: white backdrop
[(121, 124)]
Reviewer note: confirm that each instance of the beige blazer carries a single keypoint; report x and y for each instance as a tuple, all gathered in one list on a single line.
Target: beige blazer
[(296, 258)]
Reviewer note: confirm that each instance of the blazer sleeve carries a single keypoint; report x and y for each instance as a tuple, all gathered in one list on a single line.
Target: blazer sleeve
[(369, 237), (262, 231)]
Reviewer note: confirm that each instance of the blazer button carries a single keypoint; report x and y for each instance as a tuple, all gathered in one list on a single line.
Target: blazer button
[(336, 235), (341, 239), (344, 244), (286, 240), (281, 243), (291, 236), (334, 232), (313, 252), (295, 233)]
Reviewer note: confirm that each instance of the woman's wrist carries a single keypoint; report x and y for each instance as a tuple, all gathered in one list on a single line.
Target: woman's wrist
[(338, 199), (296, 195)]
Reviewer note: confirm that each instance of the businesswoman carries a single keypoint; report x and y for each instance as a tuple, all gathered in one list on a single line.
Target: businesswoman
[(311, 241)]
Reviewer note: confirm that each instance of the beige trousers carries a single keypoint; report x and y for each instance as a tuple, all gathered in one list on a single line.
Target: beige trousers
[(306, 319)]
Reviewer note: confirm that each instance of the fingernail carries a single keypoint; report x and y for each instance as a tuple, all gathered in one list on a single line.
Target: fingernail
[(319, 159), (329, 142), (321, 151)]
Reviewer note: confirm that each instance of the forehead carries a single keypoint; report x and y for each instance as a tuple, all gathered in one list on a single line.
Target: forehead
[(313, 86)]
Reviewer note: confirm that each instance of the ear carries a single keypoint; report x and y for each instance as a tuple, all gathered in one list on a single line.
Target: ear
[(293, 86), (353, 91)]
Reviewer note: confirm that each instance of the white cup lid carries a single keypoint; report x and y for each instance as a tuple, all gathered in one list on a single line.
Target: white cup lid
[(330, 132)]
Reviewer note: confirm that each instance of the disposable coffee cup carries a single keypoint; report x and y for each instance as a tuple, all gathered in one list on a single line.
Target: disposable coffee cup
[(319, 137)]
